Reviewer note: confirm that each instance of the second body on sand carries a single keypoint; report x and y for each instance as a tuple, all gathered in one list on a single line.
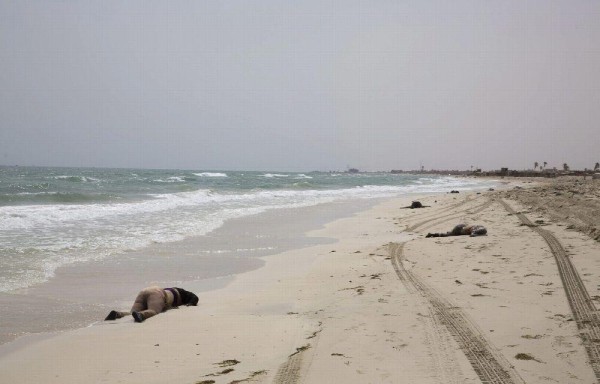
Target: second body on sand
[(462, 230)]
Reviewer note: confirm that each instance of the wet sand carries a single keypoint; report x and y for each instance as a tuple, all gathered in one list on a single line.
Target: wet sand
[(81, 294), (381, 304)]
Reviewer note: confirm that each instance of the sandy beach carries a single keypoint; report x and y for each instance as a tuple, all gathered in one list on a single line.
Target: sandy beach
[(380, 303), (264, 156)]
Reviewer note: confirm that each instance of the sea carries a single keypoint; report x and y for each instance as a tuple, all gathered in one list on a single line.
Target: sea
[(52, 217), (77, 242)]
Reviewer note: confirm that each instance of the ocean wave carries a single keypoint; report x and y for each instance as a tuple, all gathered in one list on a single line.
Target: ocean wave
[(172, 179), (272, 175), (36, 216), (303, 185), (27, 198), (56, 233), (211, 174), (77, 179), (104, 207), (302, 176)]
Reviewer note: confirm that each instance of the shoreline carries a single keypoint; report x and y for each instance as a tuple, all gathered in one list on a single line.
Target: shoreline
[(215, 303), (350, 311), (82, 293)]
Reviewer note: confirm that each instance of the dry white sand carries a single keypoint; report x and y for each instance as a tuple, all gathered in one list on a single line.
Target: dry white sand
[(362, 310)]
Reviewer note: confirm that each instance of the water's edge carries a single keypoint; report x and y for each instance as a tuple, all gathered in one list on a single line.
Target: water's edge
[(82, 294)]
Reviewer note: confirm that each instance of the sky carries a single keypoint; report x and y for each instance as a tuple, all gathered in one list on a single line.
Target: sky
[(300, 85)]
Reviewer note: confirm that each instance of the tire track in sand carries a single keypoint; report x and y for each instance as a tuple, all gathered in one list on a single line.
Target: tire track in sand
[(444, 218), (436, 215), (582, 307), (442, 350), (292, 370), (489, 365), (289, 372)]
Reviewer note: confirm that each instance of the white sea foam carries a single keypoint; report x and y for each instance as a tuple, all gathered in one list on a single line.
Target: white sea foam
[(40, 216), (36, 193), (77, 178), (172, 179), (54, 235), (271, 175), (211, 174)]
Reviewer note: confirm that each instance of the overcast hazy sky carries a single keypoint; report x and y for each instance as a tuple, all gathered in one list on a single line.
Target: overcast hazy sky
[(300, 85)]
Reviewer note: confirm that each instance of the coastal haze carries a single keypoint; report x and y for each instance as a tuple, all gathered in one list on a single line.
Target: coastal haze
[(262, 155), (299, 86)]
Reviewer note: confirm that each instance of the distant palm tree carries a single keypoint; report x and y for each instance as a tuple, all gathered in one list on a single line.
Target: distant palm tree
[(535, 165), (565, 166), (597, 166), (545, 164)]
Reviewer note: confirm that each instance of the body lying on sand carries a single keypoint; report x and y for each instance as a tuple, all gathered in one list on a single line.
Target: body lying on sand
[(462, 230), (153, 300)]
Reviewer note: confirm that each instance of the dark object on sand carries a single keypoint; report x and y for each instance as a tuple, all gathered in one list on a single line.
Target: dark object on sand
[(461, 230), (153, 300), (454, 191), (416, 204)]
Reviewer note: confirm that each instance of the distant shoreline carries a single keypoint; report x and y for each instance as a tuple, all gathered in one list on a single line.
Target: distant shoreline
[(548, 173), (508, 173)]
